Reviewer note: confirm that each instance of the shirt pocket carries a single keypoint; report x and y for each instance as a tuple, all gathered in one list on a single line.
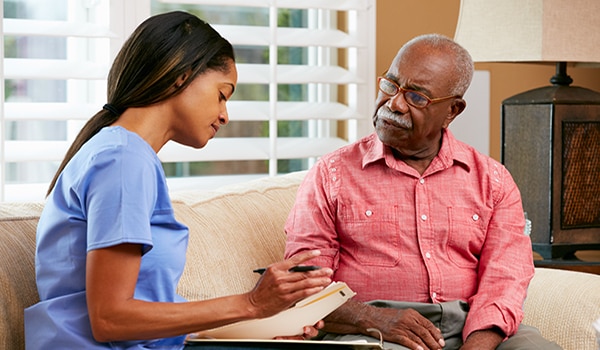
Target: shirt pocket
[(466, 235), (371, 234)]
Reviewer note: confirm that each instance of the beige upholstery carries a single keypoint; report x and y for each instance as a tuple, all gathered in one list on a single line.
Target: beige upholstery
[(560, 302), (238, 228), (17, 271), (232, 232)]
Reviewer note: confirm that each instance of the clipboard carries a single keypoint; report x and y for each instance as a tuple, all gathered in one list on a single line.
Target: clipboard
[(289, 322), (285, 344)]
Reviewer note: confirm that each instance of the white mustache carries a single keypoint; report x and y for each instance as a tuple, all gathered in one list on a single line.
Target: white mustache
[(385, 113)]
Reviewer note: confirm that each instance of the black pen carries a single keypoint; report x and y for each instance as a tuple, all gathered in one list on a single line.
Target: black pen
[(297, 268)]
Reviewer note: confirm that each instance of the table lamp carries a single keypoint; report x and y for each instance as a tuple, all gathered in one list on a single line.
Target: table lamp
[(551, 134)]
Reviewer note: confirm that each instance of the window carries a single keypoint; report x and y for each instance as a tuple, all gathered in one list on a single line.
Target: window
[(306, 77)]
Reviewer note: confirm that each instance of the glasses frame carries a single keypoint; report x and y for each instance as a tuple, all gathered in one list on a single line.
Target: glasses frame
[(404, 91)]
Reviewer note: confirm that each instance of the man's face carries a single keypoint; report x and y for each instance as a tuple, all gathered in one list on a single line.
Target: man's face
[(411, 131)]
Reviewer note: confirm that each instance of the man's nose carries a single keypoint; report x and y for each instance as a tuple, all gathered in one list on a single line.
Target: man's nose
[(398, 103)]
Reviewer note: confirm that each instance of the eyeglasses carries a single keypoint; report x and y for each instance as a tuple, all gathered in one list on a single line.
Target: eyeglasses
[(414, 98)]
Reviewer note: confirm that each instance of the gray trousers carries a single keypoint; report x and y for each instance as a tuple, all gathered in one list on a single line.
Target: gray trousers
[(450, 317)]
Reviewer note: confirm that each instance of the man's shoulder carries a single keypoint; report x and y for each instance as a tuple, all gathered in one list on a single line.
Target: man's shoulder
[(354, 149), (365, 142), (471, 156)]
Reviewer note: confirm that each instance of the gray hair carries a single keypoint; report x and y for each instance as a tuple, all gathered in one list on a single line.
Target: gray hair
[(463, 67)]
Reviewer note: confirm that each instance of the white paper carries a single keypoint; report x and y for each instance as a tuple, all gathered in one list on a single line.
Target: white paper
[(289, 322), (308, 344)]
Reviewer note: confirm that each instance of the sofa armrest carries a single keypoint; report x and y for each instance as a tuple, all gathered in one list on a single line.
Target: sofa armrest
[(18, 222), (563, 305)]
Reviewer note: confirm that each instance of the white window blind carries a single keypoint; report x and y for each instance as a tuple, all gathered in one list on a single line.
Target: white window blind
[(305, 88)]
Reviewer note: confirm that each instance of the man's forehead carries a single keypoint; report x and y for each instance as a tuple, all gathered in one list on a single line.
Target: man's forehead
[(411, 68)]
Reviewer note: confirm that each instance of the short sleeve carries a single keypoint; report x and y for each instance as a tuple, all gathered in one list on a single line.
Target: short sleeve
[(119, 197)]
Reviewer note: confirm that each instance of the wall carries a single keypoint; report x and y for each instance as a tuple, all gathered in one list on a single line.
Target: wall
[(400, 20)]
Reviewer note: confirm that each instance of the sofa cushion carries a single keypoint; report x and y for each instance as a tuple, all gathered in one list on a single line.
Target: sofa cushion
[(553, 296), (233, 230), (18, 290)]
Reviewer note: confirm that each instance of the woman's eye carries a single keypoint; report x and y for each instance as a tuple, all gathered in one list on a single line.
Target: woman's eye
[(222, 97)]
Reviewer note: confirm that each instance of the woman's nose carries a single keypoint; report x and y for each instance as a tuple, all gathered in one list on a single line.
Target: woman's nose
[(224, 118)]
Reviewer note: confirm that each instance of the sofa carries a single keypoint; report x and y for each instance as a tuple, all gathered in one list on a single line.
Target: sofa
[(237, 228)]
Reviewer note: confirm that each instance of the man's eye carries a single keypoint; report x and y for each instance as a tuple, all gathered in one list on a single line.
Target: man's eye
[(415, 97), (387, 87)]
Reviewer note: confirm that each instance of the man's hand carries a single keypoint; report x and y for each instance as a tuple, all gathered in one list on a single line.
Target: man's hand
[(409, 328), (405, 327)]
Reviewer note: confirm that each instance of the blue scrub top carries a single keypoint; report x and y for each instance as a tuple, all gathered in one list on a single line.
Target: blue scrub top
[(113, 191)]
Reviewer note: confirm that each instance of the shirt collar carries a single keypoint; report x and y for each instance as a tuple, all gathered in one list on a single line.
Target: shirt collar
[(451, 151)]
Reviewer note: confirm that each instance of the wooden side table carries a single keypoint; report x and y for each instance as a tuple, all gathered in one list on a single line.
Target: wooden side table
[(582, 261)]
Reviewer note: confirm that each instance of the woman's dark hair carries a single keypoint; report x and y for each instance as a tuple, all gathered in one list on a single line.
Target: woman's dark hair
[(161, 50)]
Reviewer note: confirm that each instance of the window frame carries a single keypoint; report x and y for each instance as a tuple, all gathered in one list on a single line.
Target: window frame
[(339, 119)]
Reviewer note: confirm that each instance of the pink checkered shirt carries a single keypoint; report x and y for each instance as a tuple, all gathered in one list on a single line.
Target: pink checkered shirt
[(453, 233)]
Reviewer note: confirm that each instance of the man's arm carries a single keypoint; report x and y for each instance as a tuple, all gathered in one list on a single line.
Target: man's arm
[(505, 265), (488, 339), (405, 326)]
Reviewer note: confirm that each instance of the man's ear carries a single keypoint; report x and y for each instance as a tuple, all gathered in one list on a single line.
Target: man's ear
[(456, 108)]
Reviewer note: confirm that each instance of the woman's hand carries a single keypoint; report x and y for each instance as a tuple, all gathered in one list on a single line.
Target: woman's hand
[(278, 288), (309, 332)]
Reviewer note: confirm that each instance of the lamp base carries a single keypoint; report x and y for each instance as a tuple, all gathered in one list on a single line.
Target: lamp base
[(551, 146)]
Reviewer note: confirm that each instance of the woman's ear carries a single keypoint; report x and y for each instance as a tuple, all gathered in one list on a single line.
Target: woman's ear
[(456, 108), (182, 78), (179, 82)]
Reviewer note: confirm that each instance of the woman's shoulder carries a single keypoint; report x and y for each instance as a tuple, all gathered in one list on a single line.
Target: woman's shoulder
[(114, 143), (112, 152)]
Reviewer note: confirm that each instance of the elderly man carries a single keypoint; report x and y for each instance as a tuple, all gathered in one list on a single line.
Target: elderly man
[(425, 229)]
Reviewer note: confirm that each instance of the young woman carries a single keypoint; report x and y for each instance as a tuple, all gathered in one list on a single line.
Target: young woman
[(109, 250)]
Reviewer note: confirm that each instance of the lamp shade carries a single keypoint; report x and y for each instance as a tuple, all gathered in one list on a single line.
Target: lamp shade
[(530, 30), (550, 135)]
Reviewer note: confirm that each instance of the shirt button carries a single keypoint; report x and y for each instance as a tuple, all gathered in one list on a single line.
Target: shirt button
[(428, 255), (433, 295), (423, 217), (421, 180), (368, 213), (333, 170), (475, 217)]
